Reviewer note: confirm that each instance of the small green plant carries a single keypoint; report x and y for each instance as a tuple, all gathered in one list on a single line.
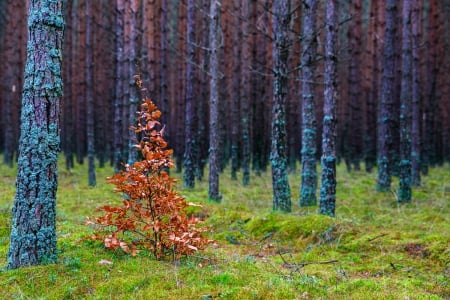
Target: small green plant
[(152, 215)]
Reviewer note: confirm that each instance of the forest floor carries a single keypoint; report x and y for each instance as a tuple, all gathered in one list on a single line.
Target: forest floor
[(373, 249)]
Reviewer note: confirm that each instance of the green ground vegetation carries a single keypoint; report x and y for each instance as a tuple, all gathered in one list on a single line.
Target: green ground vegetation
[(373, 249)]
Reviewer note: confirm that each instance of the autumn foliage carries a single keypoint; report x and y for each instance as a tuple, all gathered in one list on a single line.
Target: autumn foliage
[(152, 215)]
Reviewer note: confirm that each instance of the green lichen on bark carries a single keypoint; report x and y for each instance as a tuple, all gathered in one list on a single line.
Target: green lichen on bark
[(33, 232), (278, 154)]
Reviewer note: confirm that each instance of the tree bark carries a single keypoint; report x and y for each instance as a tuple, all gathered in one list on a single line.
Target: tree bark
[(190, 119), (90, 118), (327, 202), (33, 232), (278, 155), (214, 136), (386, 119), (309, 126), (404, 191)]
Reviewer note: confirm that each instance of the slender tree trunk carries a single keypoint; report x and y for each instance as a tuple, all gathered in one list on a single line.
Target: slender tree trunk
[(132, 33), (245, 92), (354, 86), (190, 119), (416, 92), (404, 191), (386, 119), (118, 105), (278, 156), (236, 94), (214, 137), (33, 232), (327, 201), (90, 97), (309, 173)]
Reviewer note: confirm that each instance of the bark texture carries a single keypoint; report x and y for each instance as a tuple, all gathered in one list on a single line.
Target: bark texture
[(278, 154), (309, 125), (33, 232), (327, 202)]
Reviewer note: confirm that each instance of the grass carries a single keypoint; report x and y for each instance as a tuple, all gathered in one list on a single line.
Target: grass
[(373, 249)]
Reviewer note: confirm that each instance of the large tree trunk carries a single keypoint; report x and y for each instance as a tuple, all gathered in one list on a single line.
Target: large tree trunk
[(33, 232), (278, 154), (386, 119), (404, 191), (309, 126), (214, 136), (327, 201)]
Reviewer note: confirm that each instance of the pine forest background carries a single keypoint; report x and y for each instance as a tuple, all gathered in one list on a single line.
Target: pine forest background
[(108, 42)]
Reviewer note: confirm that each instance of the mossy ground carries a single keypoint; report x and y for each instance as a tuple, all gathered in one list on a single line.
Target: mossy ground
[(373, 249)]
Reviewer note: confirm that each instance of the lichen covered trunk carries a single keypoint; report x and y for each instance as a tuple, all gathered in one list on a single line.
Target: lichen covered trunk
[(327, 202), (191, 118), (309, 173), (278, 154), (33, 234), (214, 136)]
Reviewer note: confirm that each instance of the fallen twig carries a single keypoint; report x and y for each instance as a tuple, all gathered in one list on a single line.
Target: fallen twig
[(376, 237)]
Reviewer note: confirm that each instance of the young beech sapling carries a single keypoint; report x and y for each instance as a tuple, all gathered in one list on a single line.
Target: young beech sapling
[(152, 215)]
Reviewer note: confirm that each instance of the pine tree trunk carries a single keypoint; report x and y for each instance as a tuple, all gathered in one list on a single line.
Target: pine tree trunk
[(236, 95), (118, 103), (327, 201), (132, 32), (214, 136), (90, 97), (386, 119), (33, 232), (404, 191), (354, 86), (245, 92), (416, 92), (309, 173), (278, 154), (190, 119)]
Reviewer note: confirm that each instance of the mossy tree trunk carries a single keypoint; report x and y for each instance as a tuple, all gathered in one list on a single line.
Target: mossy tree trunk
[(387, 118), (309, 125), (327, 202), (278, 155), (404, 191), (33, 232)]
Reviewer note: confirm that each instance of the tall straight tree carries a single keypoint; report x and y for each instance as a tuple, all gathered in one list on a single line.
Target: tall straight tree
[(387, 117), (214, 136), (90, 134), (309, 172), (190, 119), (118, 105), (245, 92), (33, 232), (327, 202), (415, 97), (278, 155), (131, 51), (404, 191)]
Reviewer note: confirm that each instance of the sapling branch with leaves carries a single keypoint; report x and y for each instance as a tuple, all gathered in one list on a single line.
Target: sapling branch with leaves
[(152, 215)]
